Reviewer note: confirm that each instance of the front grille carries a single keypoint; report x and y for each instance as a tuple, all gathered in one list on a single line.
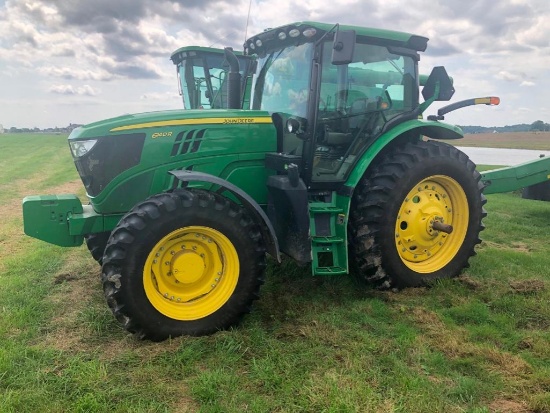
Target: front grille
[(110, 156)]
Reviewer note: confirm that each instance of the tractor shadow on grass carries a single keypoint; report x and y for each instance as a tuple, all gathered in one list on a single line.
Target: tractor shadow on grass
[(291, 293)]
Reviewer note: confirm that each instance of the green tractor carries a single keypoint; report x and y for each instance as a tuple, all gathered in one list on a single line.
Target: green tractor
[(202, 74), (329, 166)]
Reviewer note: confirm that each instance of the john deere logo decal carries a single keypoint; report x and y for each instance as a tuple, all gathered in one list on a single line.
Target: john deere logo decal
[(238, 120)]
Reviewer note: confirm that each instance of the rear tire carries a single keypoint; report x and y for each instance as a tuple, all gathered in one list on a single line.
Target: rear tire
[(392, 241), (184, 263)]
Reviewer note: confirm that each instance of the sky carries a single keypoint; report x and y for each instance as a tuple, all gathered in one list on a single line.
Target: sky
[(79, 61)]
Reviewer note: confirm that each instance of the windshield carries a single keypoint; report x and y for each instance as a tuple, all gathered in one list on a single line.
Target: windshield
[(356, 101), (203, 80), (374, 75), (282, 80)]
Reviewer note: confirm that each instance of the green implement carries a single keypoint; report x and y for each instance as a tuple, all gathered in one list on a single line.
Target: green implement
[(516, 177)]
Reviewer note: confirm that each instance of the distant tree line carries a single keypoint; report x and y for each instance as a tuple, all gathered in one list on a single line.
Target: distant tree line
[(537, 126), (65, 129)]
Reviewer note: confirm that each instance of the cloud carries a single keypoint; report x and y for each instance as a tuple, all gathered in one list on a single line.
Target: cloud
[(131, 69), (72, 44), (85, 90), (99, 15), (76, 74), (510, 77), (520, 78), (166, 96)]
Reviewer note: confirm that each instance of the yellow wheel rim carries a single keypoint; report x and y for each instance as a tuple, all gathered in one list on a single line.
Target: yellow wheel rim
[(436, 198), (191, 273)]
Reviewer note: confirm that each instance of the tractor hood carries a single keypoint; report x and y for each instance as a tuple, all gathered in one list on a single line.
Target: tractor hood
[(125, 159), (156, 122)]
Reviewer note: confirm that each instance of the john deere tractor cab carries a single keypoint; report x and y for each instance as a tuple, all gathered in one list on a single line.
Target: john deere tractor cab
[(340, 91), (202, 74), (329, 166)]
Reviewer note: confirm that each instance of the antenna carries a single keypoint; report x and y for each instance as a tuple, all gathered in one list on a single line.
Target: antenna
[(247, 20), (219, 40)]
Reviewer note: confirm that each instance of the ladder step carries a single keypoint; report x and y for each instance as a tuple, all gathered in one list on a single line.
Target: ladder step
[(324, 209), (330, 270), (326, 240), (328, 237)]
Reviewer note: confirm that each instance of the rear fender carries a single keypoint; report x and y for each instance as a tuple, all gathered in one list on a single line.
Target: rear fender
[(419, 127), (267, 230)]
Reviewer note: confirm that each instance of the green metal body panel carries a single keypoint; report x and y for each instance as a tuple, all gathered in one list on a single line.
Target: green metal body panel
[(46, 217), (63, 220), (232, 147), (90, 222), (516, 177)]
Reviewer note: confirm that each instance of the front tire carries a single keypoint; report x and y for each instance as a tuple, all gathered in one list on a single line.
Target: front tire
[(395, 206), (96, 244), (185, 263)]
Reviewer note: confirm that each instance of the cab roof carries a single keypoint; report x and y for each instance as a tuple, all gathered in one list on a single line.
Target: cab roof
[(395, 38), (191, 51)]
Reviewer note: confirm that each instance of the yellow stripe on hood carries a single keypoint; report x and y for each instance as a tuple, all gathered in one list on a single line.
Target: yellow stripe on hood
[(201, 121)]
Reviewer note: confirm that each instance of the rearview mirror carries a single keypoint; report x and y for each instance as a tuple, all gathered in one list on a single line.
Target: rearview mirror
[(446, 89), (343, 47)]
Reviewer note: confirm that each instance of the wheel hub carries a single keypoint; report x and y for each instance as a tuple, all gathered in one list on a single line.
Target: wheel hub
[(188, 267), (420, 245), (191, 272)]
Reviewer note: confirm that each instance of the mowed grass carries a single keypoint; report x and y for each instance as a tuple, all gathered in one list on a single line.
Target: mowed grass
[(478, 343), (513, 140)]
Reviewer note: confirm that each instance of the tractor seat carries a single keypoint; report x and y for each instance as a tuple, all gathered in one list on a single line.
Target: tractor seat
[(337, 138)]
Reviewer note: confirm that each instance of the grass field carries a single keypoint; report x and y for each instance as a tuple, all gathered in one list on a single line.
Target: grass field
[(479, 343), (517, 140)]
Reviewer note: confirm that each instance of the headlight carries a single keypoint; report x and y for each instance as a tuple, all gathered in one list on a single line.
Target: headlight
[(81, 148), (294, 33), (310, 32)]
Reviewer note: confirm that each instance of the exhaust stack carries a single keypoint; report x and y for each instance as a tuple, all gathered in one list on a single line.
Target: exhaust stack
[(233, 80)]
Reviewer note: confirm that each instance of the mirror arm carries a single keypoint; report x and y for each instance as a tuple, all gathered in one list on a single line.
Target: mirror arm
[(336, 26), (490, 100), (424, 105)]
